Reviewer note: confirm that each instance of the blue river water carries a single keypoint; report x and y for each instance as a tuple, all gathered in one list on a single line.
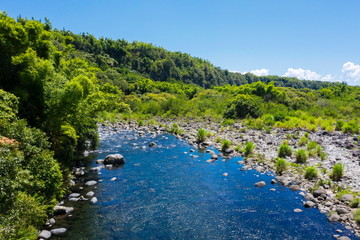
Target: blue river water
[(168, 192)]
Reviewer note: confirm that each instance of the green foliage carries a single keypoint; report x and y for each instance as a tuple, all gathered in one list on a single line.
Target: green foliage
[(311, 173), (337, 172), (249, 148), (175, 129), (201, 135), (355, 203), (303, 141), (280, 165), (242, 106), (357, 216), (351, 127), (284, 151), (225, 145), (301, 156), (227, 122)]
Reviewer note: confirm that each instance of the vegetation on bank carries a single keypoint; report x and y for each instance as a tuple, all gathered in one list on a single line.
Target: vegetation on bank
[(55, 86)]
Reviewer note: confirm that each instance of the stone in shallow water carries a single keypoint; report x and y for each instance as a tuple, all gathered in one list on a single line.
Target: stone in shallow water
[(113, 179), (225, 174), (90, 183), (334, 217), (309, 204), (45, 234), (295, 187), (58, 231), (297, 210), (74, 195), (260, 184), (93, 200)]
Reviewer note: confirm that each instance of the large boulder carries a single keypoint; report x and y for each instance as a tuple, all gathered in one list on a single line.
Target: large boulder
[(334, 217), (347, 197), (60, 210), (45, 234), (58, 231), (90, 183), (114, 159), (260, 184)]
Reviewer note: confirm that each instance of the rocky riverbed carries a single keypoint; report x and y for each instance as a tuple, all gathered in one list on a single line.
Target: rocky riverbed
[(339, 148)]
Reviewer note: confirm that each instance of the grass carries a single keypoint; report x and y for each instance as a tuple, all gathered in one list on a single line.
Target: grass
[(284, 150), (280, 165), (175, 129), (357, 216), (355, 203), (249, 148), (337, 172), (303, 141), (311, 173), (225, 145), (301, 156), (201, 135)]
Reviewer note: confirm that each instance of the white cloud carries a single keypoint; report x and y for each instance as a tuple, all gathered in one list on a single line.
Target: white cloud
[(302, 74), (351, 73), (258, 72)]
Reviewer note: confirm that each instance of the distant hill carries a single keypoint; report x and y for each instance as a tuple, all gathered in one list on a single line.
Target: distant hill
[(159, 64)]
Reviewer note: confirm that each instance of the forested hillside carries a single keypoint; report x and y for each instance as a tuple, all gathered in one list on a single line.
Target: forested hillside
[(56, 85)]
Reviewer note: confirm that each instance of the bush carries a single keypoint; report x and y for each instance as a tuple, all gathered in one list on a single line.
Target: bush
[(301, 156), (355, 203), (311, 173), (357, 216), (303, 141), (201, 135), (339, 125), (350, 127), (280, 165), (337, 172), (175, 129), (249, 148), (225, 145), (284, 150), (312, 145), (227, 122)]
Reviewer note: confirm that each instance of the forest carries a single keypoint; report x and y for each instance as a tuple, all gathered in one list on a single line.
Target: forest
[(55, 86)]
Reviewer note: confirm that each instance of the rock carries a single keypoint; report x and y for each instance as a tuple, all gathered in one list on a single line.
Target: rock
[(114, 159), (297, 210), (152, 144), (45, 234), (113, 179), (229, 151), (309, 204), (93, 200), (334, 217), (95, 169), (90, 183), (319, 192), (347, 197), (273, 181), (72, 183), (214, 156), (272, 189), (260, 184), (73, 199), (58, 231), (74, 195), (295, 187), (60, 210), (344, 238), (192, 150), (52, 221), (90, 194), (341, 210), (210, 160), (259, 169), (109, 166), (99, 161), (225, 174)]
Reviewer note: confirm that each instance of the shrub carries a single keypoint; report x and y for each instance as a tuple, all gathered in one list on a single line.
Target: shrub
[(355, 203), (339, 125), (357, 216), (311, 173), (227, 122), (350, 127), (301, 156), (303, 141), (201, 135), (337, 172), (280, 165), (175, 129), (249, 148), (312, 145), (218, 139), (284, 150), (225, 145)]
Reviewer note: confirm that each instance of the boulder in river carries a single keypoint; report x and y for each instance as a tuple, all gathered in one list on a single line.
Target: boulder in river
[(114, 159), (93, 200), (60, 210), (309, 204), (90, 194), (90, 183), (152, 144), (334, 217), (45, 234), (347, 197), (260, 184), (58, 231)]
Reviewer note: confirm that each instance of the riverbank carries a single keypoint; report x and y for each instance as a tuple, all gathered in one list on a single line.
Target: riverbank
[(339, 148)]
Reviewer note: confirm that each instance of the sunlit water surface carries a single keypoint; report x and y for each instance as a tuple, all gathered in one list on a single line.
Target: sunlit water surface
[(168, 192)]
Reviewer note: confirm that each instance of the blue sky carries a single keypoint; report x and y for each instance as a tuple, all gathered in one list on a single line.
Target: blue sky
[(317, 39)]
